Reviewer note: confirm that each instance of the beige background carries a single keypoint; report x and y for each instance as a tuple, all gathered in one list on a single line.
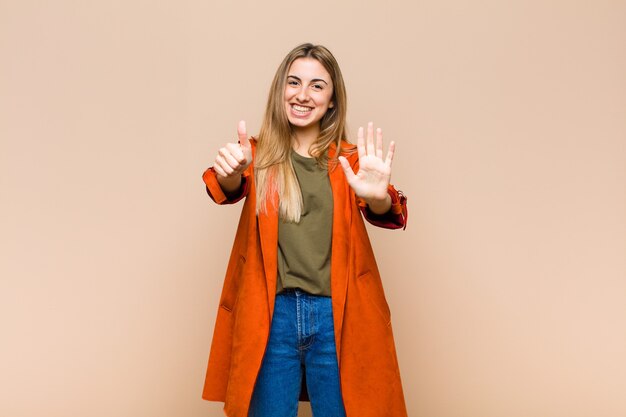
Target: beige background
[(507, 289)]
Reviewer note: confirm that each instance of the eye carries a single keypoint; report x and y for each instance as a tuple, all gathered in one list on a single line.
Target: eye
[(318, 87), (292, 82)]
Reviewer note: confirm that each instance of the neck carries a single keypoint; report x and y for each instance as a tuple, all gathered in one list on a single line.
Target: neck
[(304, 137)]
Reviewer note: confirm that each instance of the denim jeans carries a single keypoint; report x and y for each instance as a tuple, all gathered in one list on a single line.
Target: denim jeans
[(302, 341)]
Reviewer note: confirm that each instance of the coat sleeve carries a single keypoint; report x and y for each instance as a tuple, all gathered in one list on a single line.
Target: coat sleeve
[(395, 218), (214, 190)]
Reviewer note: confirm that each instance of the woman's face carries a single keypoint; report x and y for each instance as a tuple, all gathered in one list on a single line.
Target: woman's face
[(308, 92)]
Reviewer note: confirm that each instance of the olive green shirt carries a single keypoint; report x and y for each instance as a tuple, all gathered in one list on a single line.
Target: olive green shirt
[(304, 247)]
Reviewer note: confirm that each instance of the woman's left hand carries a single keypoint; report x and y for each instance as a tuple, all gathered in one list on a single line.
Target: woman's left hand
[(372, 180)]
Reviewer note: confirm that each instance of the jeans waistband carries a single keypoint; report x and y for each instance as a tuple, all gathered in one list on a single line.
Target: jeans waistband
[(297, 292)]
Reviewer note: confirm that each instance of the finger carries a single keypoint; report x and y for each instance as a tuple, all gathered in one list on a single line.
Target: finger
[(219, 161), (390, 152), (244, 141), (379, 143), (347, 169), (370, 139), (229, 158), (360, 143), (236, 151), (219, 170)]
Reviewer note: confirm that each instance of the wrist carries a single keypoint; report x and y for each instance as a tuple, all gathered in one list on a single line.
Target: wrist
[(229, 184), (378, 206)]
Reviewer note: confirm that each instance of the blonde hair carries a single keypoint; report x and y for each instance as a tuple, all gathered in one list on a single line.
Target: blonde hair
[(273, 168)]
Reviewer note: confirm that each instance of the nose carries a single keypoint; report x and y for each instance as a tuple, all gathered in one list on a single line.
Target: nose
[(303, 95)]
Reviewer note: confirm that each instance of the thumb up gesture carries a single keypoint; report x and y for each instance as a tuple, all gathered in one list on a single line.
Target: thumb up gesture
[(233, 159)]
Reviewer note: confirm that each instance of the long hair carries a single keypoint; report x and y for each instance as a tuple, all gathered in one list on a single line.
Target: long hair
[(273, 168)]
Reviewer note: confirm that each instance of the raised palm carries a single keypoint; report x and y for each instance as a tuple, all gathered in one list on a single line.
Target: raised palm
[(372, 179)]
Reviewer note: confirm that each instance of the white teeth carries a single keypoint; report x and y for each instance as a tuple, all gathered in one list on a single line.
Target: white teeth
[(301, 108)]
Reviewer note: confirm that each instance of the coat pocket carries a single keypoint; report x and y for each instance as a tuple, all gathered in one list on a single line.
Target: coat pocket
[(373, 288)]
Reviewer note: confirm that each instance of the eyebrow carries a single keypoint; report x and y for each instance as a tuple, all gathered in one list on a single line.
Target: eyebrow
[(313, 80)]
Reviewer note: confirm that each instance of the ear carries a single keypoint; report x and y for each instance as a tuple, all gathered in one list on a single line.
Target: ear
[(331, 105)]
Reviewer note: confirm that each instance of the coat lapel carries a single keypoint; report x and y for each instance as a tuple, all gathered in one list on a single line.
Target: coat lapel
[(267, 226), (340, 265)]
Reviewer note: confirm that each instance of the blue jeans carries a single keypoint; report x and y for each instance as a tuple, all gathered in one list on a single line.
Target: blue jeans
[(302, 340)]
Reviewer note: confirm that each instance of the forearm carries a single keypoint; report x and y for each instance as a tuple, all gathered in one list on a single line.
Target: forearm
[(218, 194), (230, 185)]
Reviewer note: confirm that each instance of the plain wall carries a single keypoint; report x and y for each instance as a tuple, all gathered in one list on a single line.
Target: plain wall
[(507, 289)]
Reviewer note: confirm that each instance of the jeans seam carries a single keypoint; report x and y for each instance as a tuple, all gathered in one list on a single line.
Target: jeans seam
[(298, 316), (305, 342)]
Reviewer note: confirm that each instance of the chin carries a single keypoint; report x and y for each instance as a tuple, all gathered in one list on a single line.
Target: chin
[(300, 122)]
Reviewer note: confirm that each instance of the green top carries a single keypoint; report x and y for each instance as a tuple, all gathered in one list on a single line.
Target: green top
[(304, 247)]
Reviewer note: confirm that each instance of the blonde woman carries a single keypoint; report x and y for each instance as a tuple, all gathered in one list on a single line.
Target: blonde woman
[(302, 313)]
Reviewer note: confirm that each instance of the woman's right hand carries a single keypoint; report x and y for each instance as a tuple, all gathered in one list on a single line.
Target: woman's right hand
[(232, 160)]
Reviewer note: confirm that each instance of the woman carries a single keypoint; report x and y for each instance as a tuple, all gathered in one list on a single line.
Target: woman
[(302, 312)]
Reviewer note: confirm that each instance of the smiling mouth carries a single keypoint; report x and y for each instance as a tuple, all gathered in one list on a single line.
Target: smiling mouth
[(300, 110)]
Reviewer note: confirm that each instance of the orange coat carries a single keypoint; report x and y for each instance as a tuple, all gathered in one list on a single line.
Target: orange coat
[(368, 367)]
